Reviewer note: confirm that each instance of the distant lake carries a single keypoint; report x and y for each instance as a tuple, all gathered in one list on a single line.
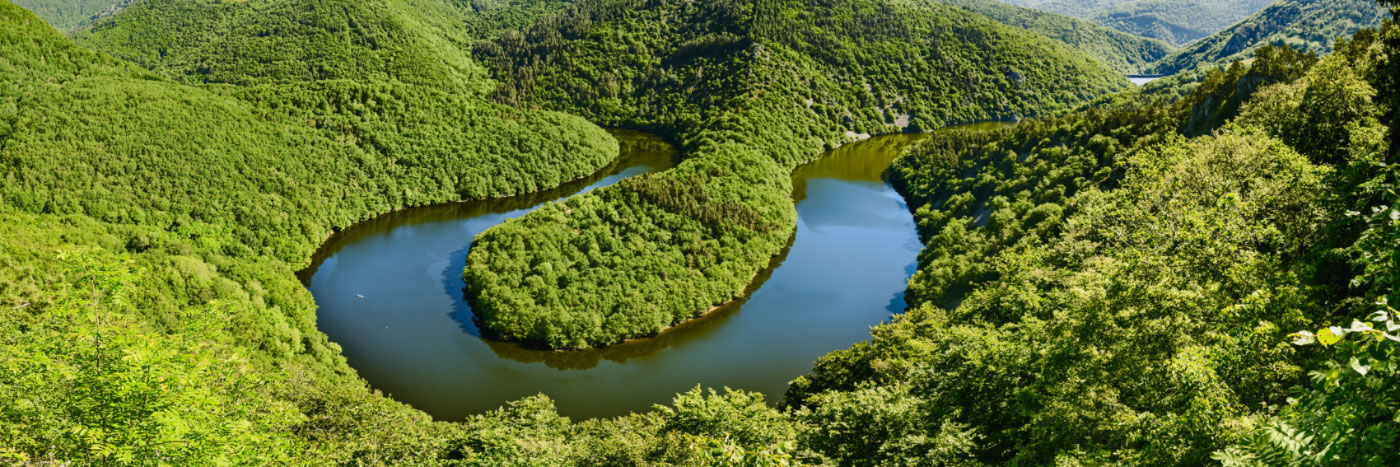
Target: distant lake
[(1143, 79), (389, 291)]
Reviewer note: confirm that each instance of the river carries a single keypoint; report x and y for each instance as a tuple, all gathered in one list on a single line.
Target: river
[(389, 291)]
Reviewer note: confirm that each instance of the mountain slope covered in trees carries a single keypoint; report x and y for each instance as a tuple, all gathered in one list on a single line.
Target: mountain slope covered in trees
[(1177, 22), (382, 123), (1124, 52), (263, 42), (750, 92), (1309, 25), (1125, 293)]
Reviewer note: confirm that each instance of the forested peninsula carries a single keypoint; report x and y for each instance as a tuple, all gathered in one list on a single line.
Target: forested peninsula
[(780, 84), (1197, 271)]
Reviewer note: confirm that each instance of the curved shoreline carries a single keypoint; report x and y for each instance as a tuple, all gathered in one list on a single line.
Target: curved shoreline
[(413, 335), (336, 239), (751, 285)]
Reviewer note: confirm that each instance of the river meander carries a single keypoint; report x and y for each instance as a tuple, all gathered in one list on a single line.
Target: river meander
[(389, 291)]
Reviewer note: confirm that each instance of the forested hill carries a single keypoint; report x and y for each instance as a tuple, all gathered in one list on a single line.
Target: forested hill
[(262, 41), (1177, 22), (1127, 53), (1124, 287), (113, 142), (751, 90), (1310, 25)]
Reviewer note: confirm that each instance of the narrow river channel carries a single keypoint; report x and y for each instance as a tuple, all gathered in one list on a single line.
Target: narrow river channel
[(389, 292)]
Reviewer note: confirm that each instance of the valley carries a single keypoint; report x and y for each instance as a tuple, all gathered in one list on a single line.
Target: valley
[(396, 232)]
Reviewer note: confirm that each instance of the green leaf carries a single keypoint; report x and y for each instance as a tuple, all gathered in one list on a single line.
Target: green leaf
[(1326, 337)]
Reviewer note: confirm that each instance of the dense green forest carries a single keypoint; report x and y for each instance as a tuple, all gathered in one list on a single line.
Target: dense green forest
[(750, 91), (1124, 52), (367, 142), (1152, 281), (1309, 25), (1177, 22), (264, 42)]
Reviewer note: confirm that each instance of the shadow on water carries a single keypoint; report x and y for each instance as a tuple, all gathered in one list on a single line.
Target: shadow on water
[(456, 287)]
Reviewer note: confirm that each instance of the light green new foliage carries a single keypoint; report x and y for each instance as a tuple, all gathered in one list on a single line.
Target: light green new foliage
[(1345, 413), (85, 382)]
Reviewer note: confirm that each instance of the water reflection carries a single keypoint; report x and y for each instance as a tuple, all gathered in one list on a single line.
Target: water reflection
[(389, 291)]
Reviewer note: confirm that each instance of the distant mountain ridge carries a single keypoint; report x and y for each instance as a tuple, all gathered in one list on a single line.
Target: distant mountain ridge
[(1122, 51), (67, 15), (1309, 25), (1177, 22)]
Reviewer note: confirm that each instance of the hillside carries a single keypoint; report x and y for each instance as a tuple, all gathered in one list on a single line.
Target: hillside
[(1178, 22), (750, 94), (1310, 25), (1125, 293), (264, 41), (1127, 53)]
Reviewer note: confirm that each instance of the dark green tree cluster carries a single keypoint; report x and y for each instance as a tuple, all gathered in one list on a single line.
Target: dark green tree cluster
[(1218, 97), (1015, 190), (751, 90)]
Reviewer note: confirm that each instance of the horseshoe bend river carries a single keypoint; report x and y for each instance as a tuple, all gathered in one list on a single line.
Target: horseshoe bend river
[(389, 291)]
